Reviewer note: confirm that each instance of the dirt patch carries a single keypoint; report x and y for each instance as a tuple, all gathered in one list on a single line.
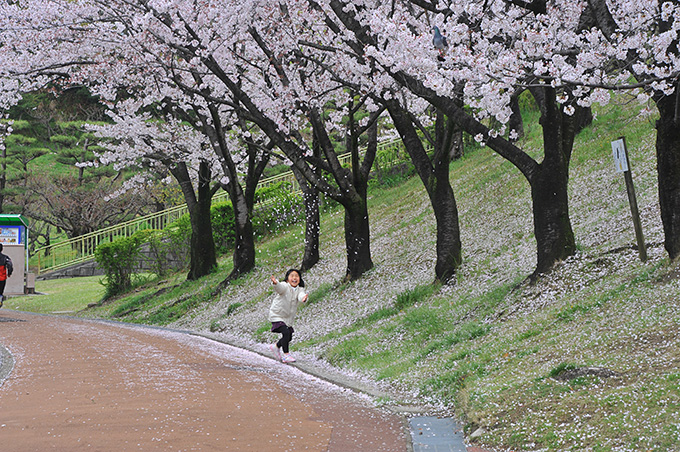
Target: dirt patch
[(570, 374)]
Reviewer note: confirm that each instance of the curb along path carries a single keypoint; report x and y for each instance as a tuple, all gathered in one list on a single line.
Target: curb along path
[(79, 384)]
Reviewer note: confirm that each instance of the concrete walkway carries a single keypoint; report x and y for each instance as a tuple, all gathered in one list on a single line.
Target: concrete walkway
[(72, 384)]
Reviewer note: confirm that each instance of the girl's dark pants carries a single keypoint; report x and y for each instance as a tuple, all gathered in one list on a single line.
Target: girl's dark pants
[(287, 335)]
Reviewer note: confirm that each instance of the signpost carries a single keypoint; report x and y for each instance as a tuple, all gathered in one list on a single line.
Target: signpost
[(622, 164)]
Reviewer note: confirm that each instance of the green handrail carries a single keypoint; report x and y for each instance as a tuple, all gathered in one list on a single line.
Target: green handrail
[(81, 249)]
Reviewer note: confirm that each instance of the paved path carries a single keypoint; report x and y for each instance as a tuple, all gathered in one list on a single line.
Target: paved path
[(87, 385)]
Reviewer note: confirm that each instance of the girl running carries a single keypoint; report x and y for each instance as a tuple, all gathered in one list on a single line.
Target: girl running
[(289, 294)]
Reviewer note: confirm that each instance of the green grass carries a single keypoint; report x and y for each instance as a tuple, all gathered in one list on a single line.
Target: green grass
[(68, 295)]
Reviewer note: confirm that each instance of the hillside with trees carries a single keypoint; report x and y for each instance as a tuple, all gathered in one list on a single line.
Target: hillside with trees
[(51, 174), (580, 359)]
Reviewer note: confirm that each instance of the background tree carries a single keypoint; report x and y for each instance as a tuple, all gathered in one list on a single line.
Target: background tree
[(75, 146), (77, 211), (20, 150)]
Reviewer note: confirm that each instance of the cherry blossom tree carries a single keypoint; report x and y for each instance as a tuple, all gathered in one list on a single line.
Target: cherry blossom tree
[(434, 173), (283, 97), (494, 49), (305, 62), (152, 143), (317, 50), (291, 66)]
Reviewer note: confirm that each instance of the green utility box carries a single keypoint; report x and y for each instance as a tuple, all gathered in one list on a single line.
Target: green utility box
[(14, 239)]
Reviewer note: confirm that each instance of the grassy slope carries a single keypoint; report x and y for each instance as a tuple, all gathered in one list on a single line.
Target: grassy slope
[(489, 346)]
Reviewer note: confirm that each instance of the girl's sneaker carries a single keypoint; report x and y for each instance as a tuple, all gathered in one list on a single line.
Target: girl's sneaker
[(277, 351), (287, 358)]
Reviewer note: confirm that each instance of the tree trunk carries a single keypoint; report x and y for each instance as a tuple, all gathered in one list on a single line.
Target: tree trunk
[(202, 249), (244, 241), (357, 239), (357, 232), (457, 146), (668, 167), (585, 119), (435, 176), (552, 226), (445, 209), (203, 258), (550, 180), (242, 201), (353, 184)]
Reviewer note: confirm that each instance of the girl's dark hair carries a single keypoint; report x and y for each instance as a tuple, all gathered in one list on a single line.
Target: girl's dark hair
[(302, 282)]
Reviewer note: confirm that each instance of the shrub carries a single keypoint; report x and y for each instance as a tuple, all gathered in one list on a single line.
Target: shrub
[(271, 191), (118, 259)]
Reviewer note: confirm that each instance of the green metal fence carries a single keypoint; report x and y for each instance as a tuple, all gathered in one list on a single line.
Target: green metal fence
[(81, 249)]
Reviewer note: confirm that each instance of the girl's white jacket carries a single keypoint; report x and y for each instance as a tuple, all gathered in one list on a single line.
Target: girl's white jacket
[(285, 304)]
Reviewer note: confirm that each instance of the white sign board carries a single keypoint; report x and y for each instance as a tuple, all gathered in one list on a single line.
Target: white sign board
[(619, 152)]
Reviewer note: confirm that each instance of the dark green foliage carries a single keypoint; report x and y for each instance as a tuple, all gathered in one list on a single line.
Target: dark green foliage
[(76, 147), (179, 234), (275, 170), (118, 259), (222, 217), (123, 257)]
